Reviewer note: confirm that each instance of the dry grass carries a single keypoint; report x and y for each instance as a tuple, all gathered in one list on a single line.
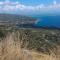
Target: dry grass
[(10, 49)]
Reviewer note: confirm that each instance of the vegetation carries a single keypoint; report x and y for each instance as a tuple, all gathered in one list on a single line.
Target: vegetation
[(30, 44), (27, 43), (41, 40)]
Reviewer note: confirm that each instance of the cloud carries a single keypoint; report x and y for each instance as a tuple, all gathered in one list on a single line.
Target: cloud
[(16, 6)]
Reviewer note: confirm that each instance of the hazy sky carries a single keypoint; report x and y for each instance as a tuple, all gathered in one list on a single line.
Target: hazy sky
[(30, 6)]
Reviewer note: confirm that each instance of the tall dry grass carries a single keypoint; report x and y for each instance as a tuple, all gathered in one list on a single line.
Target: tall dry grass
[(10, 49)]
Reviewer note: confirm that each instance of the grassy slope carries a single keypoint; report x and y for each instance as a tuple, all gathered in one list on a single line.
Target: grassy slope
[(14, 46)]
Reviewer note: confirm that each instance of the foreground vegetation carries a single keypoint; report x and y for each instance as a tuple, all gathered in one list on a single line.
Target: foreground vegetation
[(29, 44)]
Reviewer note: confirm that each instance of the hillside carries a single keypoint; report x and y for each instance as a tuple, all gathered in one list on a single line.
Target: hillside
[(15, 20), (41, 40), (27, 43), (30, 44)]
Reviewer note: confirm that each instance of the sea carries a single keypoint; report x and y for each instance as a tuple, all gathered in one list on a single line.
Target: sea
[(48, 21)]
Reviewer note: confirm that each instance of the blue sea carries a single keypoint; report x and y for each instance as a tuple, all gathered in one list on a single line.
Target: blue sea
[(50, 21)]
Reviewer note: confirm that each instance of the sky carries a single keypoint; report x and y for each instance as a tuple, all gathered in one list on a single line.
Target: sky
[(37, 2), (30, 7)]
